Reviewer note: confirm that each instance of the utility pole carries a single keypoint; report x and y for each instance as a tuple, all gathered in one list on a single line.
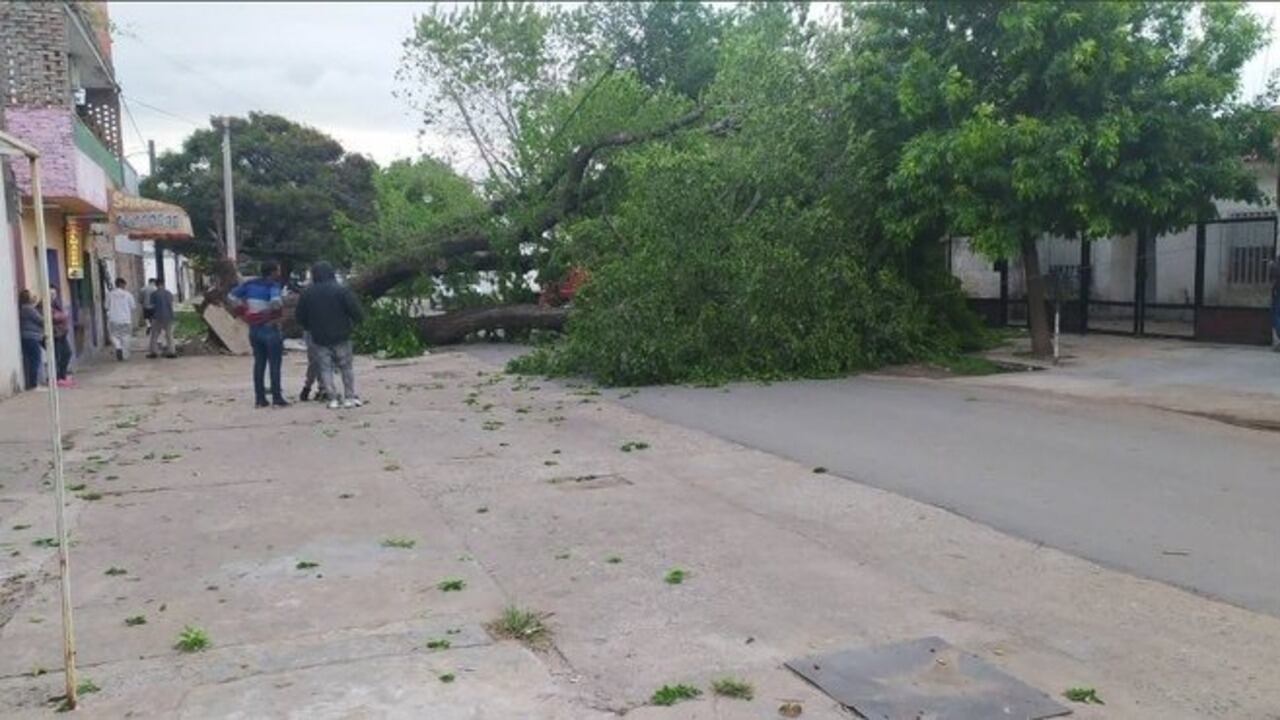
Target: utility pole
[(159, 249), (228, 198)]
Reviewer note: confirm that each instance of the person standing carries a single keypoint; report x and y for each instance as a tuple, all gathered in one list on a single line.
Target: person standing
[(148, 307), (161, 321), (31, 333), (120, 318), (329, 312), (258, 302), (61, 342)]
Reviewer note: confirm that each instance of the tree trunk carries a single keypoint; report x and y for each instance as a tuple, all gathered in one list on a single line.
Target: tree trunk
[(1037, 313), (455, 326)]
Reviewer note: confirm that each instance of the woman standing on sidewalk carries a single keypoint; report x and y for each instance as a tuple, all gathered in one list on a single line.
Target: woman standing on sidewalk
[(61, 345), (31, 330)]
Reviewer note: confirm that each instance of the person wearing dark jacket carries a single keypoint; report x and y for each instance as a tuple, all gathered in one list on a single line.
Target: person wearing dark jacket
[(31, 332), (329, 312)]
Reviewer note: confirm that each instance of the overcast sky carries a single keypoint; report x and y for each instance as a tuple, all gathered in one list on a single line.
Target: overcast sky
[(329, 65)]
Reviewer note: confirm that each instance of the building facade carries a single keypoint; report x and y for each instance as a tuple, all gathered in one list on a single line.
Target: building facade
[(58, 92)]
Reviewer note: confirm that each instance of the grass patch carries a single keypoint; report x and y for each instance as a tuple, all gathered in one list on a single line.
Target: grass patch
[(492, 424), (633, 446), (672, 694), (192, 639), (676, 576), (77, 487), (613, 559), (115, 571), (1086, 695), (306, 565), (86, 687), (391, 467), (451, 585), (90, 496), (21, 527), (45, 542), (448, 678), (820, 470), (438, 644), (135, 620), (733, 688), (188, 325), (400, 543), (523, 625)]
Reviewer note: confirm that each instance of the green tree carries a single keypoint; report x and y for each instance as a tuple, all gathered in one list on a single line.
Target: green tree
[(289, 181), (1018, 120)]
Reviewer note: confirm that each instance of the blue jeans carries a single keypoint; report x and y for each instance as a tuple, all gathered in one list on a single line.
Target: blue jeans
[(31, 354), (268, 347)]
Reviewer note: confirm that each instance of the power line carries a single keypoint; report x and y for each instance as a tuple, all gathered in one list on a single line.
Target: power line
[(162, 111), (182, 65), (132, 121)]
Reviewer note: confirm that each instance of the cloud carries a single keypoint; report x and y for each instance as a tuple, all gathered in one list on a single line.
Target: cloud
[(328, 65)]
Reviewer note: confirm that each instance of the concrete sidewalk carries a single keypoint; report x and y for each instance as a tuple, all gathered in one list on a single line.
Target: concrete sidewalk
[(521, 490), (1236, 384)]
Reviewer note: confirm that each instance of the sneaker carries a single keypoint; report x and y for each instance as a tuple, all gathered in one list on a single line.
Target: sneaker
[(65, 383), (119, 355), (262, 404), (354, 402), (152, 356), (280, 402), (305, 395), (334, 404), (171, 355)]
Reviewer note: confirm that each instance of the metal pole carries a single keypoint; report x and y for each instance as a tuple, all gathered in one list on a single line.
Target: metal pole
[(159, 249), (59, 482), (228, 198)]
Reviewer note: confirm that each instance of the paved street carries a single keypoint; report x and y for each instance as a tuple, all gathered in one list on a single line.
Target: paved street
[(209, 513), (1186, 501)]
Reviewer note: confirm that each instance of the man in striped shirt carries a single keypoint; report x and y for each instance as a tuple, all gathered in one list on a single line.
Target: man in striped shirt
[(257, 301)]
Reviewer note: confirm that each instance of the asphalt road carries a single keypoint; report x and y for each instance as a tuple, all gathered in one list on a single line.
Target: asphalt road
[(1185, 501)]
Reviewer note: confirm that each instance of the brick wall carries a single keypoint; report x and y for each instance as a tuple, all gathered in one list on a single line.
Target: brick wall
[(33, 54), (50, 130)]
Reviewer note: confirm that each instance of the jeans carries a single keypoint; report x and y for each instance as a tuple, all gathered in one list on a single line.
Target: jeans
[(341, 356), (268, 347), (30, 362), (62, 353), (161, 328)]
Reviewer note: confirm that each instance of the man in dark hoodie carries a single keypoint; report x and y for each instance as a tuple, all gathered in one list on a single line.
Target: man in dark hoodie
[(328, 312)]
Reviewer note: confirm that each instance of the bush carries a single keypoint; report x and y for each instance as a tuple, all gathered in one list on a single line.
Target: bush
[(388, 328)]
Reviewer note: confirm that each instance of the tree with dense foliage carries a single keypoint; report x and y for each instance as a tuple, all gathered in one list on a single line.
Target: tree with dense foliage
[(289, 179), (1061, 118), (756, 192)]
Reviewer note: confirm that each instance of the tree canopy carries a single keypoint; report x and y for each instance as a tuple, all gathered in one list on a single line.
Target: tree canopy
[(757, 190), (289, 181)]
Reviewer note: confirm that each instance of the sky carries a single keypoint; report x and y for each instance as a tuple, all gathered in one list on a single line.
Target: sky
[(329, 65)]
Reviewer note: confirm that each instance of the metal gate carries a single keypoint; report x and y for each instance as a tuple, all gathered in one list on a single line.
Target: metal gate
[(1210, 281)]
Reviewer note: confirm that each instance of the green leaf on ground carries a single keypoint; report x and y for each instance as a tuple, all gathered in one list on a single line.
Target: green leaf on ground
[(672, 694), (451, 585), (733, 688), (676, 576), (192, 639), (1086, 695)]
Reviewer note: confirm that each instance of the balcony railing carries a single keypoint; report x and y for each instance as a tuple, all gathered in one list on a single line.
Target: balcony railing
[(90, 145)]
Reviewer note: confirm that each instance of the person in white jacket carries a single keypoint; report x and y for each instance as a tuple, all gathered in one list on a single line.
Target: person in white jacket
[(120, 318)]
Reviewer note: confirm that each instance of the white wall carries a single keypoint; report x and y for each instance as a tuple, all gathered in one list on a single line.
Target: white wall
[(10, 349)]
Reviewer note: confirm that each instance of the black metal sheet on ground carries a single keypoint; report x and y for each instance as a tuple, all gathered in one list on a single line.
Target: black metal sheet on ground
[(925, 679)]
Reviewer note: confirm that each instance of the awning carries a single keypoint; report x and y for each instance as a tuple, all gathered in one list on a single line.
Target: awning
[(146, 219)]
